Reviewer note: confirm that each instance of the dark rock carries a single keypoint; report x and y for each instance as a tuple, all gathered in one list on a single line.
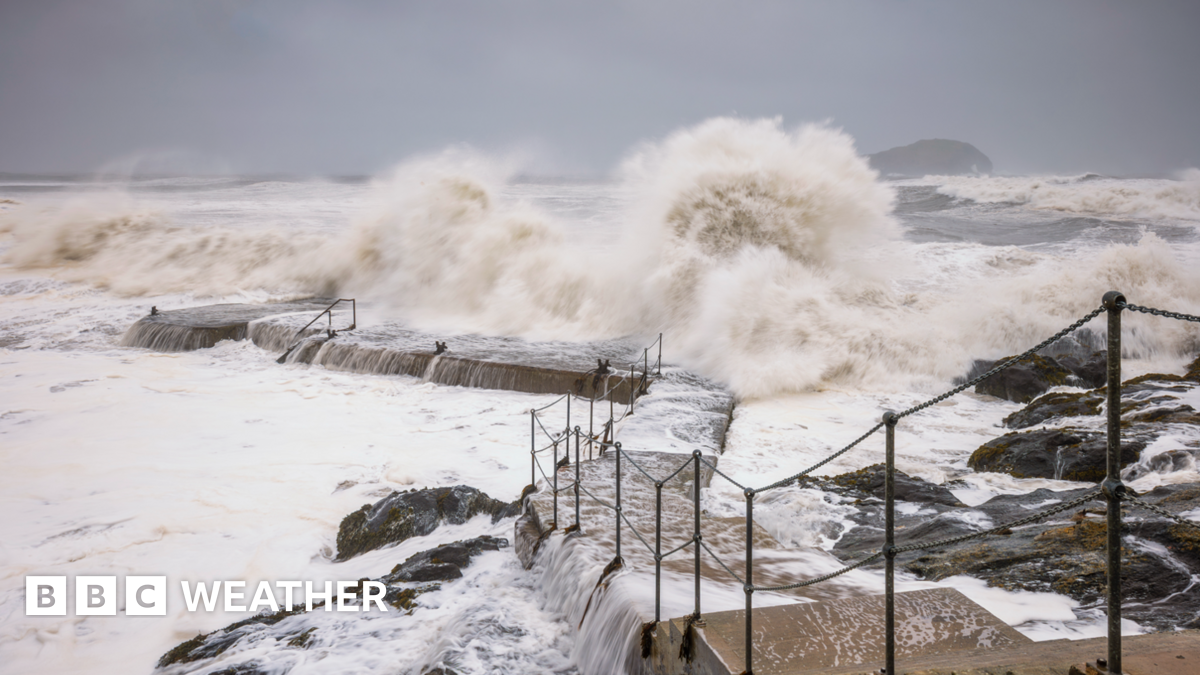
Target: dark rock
[(1054, 406), (869, 482), (402, 515), (210, 645), (1023, 381), (1066, 454), (936, 156), (444, 563), (1149, 398), (1065, 554)]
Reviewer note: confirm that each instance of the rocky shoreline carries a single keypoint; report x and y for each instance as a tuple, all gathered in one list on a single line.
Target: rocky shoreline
[(1056, 435)]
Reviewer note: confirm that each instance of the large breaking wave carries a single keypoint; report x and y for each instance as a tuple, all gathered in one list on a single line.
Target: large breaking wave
[(769, 257)]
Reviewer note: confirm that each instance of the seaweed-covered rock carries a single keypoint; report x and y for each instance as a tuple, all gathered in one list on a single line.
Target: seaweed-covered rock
[(1065, 554), (1066, 454), (1056, 406), (402, 515), (1024, 381), (444, 563), (869, 482)]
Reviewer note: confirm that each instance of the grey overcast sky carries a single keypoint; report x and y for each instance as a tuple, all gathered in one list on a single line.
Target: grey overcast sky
[(353, 86)]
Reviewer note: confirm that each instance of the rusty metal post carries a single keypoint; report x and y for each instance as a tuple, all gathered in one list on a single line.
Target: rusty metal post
[(577, 525), (1112, 487), (889, 546), (696, 533), (632, 390), (617, 447), (749, 587), (554, 485), (658, 486)]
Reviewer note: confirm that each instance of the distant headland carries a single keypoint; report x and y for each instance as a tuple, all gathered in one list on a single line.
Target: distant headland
[(937, 156)]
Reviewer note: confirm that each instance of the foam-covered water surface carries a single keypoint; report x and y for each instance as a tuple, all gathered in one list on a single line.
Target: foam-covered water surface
[(776, 264)]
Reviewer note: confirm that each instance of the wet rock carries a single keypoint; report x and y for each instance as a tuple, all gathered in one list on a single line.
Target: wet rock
[(402, 515), (444, 563), (1065, 454), (1056, 406), (869, 482), (211, 645), (918, 501), (1065, 554), (1024, 381)]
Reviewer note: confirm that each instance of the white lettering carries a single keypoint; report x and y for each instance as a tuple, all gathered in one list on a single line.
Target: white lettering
[(231, 595), (377, 598), (263, 596), (193, 600), (310, 595)]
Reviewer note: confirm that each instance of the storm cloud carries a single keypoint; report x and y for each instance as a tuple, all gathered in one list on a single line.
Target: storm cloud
[(350, 87)]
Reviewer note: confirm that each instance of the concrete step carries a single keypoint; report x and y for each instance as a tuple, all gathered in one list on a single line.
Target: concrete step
[(846, 633)]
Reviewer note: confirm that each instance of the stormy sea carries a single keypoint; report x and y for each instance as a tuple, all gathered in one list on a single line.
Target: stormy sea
[(774, 262)]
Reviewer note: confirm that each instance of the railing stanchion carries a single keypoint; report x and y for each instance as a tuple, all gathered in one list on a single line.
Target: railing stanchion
[(632, 392), (554, 486), (577, 525), (889, 419), (617, 447), (1113, 488), (658, 486), (658, 367), (749, 576), (696, 533), (568, 430), (591, 421), (532, 446)]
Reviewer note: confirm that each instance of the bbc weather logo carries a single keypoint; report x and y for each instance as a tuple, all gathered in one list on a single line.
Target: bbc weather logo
[(96, 596)]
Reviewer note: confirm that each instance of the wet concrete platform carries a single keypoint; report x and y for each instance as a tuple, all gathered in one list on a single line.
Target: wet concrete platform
[(801, 638), (939, 632), (389, 348)]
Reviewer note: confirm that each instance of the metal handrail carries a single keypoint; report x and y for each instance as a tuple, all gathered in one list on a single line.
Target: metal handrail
[(1111, 489), (327, 311)]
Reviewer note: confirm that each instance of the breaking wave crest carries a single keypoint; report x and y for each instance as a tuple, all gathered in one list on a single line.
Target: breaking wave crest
[(110, 241), (1084, 194), (769, 257)]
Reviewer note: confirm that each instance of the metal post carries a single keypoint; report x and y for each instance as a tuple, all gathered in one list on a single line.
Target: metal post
[(696, 533), (632, 394), (646, 362), (532, 445), (568, 430), (1113, 488), (591, 421), (577, 526), (749, 588), (658, 486), (617, 446), (554, 487), (889, 545), (659, 366)]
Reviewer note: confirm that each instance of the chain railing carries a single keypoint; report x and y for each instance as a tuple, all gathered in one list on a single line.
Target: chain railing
[(637, 387), (1110, 489)]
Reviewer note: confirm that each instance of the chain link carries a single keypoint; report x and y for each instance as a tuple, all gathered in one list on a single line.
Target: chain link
[(721, 563), (1065, 506), (1161, 312), (720, 473), (823, 462), (1160, 511), (966, 385), (827, 577)]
